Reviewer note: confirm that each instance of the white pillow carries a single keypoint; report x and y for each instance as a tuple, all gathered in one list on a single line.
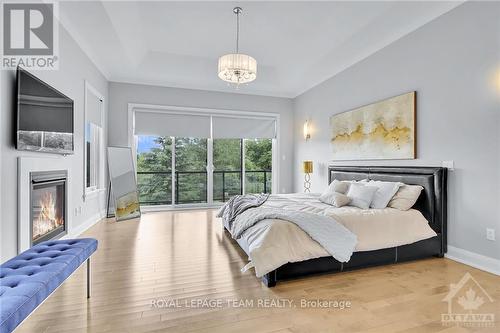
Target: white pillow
[(338, 186), (335, 199), (342, 186), (361, 195), (386, 190), (405, 197)]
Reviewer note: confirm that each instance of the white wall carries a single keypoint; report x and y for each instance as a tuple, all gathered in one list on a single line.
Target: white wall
[(122, 93), (451, 63), (74, 69)]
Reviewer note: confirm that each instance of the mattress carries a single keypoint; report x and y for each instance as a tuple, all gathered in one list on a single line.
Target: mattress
[(272, 243)]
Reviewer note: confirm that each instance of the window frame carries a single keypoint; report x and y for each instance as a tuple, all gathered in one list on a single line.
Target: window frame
[(99, 187), (132, 142)]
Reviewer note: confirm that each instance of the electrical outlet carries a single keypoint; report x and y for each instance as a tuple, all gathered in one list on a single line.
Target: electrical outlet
[(490, 234), (76, 211), (450, 165)]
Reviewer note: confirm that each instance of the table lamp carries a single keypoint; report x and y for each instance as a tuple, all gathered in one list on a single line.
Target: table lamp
[(307, 167)]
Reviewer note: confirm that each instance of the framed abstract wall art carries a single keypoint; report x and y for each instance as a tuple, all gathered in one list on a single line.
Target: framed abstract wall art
[(382, 130)]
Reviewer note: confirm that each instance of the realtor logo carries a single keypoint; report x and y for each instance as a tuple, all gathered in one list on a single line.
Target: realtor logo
[(464, 301), (30, 35)]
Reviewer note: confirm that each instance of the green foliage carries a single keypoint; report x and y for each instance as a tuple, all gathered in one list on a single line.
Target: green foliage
[(227, 154), (159, 158), (258, 154), (155, 187), (191, 155), (258, 157), (226, 157)]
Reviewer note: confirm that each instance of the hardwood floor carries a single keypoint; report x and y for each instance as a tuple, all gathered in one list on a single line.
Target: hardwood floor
[(186, 257)]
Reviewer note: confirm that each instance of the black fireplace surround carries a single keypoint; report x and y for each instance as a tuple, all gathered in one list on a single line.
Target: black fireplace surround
[(48, 205)]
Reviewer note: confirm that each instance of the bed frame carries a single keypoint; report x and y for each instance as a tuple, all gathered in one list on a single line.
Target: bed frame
[(431, 203)]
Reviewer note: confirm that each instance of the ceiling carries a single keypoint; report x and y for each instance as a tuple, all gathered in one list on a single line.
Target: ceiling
[(297, 44)]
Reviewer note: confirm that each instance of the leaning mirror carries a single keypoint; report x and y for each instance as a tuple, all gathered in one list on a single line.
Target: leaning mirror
[(123, 183)]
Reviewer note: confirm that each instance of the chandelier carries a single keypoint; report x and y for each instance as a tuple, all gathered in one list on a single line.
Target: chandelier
[(237, 67)]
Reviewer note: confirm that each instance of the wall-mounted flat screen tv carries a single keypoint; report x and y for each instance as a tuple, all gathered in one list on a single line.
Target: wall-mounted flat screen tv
[(44, 116)]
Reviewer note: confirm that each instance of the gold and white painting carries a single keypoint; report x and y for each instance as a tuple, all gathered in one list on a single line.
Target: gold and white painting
[(127, 206), (382, 130)]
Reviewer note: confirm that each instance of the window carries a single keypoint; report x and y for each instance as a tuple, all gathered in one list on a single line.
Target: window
[(191, 179), (93, 154), (190, 170), (258, 165), (94, 145), (190, 156), (154, 170), (227, 169)]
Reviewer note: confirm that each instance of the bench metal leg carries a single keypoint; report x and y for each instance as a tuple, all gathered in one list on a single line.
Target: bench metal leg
[(89, 281)]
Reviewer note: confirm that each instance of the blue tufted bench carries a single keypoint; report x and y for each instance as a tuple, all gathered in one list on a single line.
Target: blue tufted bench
[(28, 279)]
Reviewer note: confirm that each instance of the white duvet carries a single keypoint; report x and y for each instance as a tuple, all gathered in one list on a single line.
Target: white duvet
[(273, 243)]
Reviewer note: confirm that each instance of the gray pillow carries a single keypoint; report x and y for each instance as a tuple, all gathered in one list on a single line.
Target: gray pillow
[(335, 199), (386, 191), (405, 197), (338, 186), (361, 195), (342, 186)]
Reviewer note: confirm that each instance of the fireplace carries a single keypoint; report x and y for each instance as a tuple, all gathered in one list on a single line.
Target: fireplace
[(48, 205)]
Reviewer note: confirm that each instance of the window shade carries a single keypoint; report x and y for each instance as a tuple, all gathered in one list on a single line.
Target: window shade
[(243, 128), (93, 109), (168, 124)]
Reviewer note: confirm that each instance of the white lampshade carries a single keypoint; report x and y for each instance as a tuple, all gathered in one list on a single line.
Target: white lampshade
[(237, 68)]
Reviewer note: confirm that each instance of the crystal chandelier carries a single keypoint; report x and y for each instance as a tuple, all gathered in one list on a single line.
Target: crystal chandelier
[(237, 67)]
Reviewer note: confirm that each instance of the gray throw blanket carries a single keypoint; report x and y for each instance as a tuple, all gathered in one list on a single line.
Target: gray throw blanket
[(336, 239), (238, 204)]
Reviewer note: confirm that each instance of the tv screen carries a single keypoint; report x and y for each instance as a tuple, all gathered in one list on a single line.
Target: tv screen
[(44, 116)]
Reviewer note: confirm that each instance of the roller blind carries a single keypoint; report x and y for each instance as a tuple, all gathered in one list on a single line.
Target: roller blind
[(243, 128), (169, 124), (93, 109)]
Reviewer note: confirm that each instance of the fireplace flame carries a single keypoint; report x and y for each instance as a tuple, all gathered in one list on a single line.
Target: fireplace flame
[(47, 219)]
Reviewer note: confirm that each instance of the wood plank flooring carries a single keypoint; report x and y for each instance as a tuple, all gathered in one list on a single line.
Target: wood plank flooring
[(144, 267)]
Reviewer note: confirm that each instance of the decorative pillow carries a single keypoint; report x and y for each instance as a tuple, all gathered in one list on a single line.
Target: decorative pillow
[(338, 186), (342, 186), (361, 195), (335, 199), (386, 190), (406, 197)]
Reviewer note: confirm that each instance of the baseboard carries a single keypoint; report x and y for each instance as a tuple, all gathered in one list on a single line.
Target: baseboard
[(86, 225), (484, 263)]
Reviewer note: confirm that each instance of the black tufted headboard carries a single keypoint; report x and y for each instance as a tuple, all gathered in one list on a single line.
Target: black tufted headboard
[(432, 200)]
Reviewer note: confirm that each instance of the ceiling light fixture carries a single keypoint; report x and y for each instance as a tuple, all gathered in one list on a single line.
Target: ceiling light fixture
[(237, 67)]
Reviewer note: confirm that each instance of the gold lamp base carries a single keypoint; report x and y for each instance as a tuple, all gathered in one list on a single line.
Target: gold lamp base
[(307, 167), (307, 183)]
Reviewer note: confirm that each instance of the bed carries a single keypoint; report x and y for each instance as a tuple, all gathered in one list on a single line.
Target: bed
[(430, 207)]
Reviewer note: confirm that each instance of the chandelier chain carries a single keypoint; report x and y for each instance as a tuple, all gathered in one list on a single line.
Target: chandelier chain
[(238, 11)]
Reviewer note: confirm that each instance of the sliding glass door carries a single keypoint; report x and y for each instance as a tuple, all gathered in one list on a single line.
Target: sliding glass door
[(154, 170), (173, 171), (227, 172), (258, 165), (190, 171)]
